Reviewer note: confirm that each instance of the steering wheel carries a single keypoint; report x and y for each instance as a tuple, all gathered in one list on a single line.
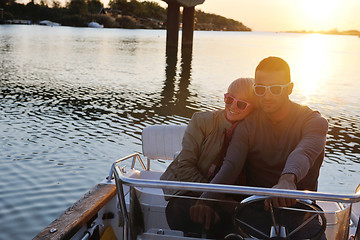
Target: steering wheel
[(252, 221)]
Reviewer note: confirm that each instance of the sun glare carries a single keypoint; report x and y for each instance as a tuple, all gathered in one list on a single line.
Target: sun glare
[(319, 12), (314, 61)]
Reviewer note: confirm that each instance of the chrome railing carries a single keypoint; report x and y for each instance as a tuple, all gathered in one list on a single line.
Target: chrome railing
[(134, 156), (122, 180), (234, 189)]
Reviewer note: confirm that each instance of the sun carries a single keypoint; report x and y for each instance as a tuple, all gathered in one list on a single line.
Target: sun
[(319, 11)]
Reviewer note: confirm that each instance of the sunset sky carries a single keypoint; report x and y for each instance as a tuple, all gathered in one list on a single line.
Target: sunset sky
[(283, 15)]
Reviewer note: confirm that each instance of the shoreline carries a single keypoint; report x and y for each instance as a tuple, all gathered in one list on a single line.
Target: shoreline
[(331, 32), (342, 33)]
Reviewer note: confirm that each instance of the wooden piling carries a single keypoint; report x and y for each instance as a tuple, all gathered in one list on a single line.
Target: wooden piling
[(172, 31), (188, 27)]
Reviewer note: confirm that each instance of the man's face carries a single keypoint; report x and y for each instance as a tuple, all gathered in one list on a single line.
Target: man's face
[(269, 102)]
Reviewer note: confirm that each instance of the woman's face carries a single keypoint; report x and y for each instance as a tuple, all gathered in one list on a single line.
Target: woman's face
[(237, 106)]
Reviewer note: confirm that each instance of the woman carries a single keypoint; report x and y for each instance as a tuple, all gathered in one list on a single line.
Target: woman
[(203, 149)]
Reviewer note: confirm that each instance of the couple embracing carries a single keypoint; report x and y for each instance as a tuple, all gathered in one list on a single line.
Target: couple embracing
[(261, 138)]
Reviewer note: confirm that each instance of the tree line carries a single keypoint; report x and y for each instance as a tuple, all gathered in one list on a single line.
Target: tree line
[(121, 13)]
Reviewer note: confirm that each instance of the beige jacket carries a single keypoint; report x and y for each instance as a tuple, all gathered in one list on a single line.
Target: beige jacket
[(201, 144)]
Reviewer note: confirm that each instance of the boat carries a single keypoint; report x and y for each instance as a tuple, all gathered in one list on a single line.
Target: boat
[(49, 23), (95, 25), (18, 21), (130, 203)]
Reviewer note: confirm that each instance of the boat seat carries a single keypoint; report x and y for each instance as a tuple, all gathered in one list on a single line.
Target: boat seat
[(159, 142), (162, 141), (152, 201), (151, 196)]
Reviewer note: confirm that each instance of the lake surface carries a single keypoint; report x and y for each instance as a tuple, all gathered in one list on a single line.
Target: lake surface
[(73, 100)]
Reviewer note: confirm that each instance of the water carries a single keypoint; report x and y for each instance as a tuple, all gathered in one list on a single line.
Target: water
[(73, 100)]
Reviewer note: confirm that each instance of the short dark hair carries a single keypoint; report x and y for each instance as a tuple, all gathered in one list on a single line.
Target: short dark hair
[(273, 64)]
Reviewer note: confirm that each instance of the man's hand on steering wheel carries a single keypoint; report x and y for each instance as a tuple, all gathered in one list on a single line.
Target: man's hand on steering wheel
[(202, 213), (286, 181)]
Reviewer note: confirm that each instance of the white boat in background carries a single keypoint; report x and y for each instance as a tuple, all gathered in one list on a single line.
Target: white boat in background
[(18, 21), (49, 23), (130, 203), (95, 25)]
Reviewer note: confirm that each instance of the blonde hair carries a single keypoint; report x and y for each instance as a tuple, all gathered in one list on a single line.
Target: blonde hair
[(244, 86)]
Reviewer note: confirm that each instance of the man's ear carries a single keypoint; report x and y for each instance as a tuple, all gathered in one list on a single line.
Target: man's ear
[(290, 88)]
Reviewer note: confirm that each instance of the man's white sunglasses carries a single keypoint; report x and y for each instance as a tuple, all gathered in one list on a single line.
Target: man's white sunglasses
[(276, 90)]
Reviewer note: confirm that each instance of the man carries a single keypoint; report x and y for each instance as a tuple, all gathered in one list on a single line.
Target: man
[(203, 148), (282, 143)]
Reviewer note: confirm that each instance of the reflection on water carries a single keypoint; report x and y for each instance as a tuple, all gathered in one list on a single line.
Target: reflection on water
[(73, 100), (175, 92)]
